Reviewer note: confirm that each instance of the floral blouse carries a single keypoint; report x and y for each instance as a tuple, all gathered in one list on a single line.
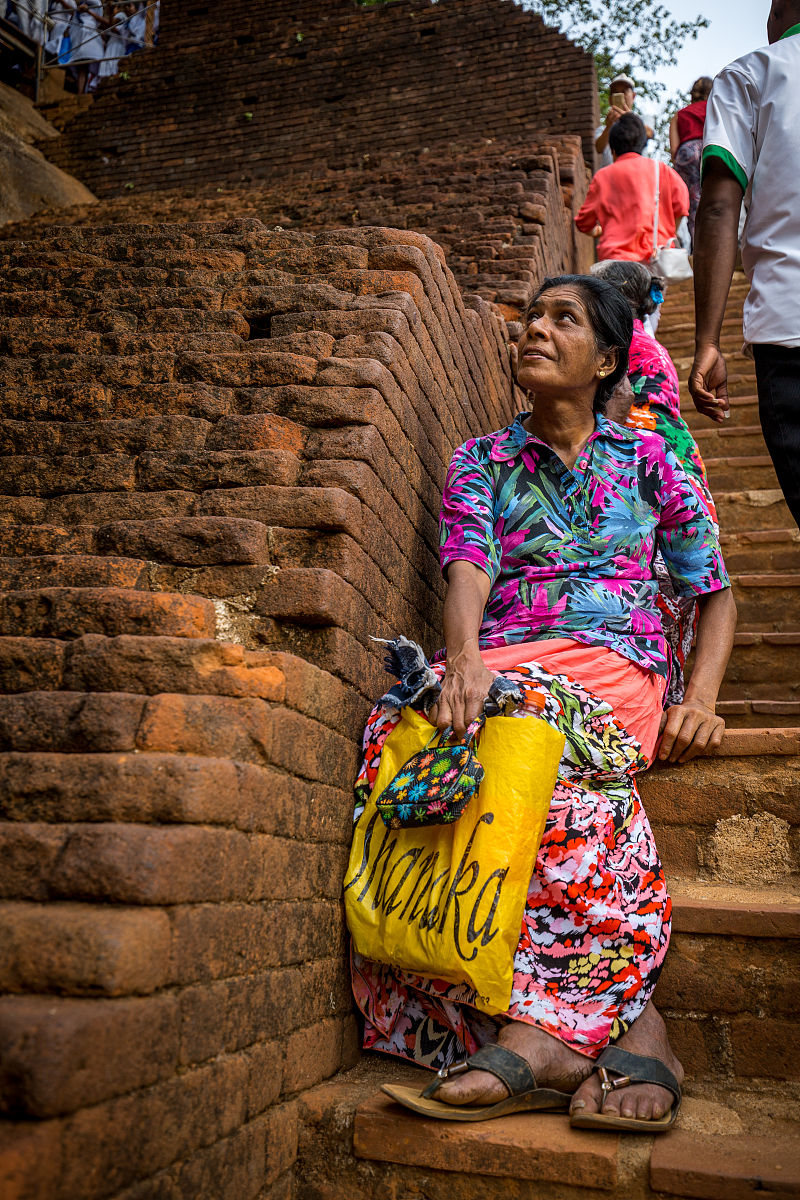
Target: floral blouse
[(570, 552), (658, 406)]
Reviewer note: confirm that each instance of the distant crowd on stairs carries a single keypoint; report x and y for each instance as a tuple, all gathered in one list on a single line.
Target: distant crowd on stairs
[(87, 37)]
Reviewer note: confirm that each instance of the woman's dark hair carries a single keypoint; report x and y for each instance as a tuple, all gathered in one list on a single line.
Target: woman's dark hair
[(610, 317), (701, 88), (628, 135), (634, 281)]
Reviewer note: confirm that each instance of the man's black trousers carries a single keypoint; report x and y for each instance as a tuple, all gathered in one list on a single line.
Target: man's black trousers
[(778, 378)]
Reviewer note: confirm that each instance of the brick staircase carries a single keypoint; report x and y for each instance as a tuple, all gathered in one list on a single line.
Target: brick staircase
[(503, 216), (194, 453), (727, 828)]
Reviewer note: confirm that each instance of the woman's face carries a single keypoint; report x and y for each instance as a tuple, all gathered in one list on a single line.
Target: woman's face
[(558, 352)]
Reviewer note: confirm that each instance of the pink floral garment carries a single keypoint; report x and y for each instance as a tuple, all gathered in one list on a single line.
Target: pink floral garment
[(657, 407), (570, 552), (597, 920)]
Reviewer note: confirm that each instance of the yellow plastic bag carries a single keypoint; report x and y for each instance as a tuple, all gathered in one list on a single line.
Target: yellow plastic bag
[(447, 901)]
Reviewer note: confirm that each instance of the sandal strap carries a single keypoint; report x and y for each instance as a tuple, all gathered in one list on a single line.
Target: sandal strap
[(510, 1068), (637, 1068)]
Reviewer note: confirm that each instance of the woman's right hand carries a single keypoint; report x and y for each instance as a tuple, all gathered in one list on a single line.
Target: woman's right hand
[(465, 686)]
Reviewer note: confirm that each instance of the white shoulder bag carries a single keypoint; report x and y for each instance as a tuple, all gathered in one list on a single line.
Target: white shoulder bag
[(671, 261)]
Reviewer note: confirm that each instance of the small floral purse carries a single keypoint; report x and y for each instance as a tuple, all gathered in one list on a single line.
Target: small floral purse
[(436, 785)]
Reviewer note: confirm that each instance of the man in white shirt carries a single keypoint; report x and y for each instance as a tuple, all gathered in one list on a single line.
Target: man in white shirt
[(751, 148)]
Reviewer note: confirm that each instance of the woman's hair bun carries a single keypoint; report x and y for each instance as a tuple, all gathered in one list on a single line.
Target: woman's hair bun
[(633, 280)]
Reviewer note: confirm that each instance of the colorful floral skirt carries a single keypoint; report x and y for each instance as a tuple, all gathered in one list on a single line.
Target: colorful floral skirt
[(597, 921)]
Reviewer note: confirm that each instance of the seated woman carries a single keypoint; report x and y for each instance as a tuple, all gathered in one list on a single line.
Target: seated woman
[(548, 532), (656, 405)]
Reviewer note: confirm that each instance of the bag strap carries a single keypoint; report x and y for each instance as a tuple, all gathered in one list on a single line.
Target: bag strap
[(473, 729), (658, 193)]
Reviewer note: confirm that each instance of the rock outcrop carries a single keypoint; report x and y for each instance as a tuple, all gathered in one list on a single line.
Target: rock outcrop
[(29, 182)]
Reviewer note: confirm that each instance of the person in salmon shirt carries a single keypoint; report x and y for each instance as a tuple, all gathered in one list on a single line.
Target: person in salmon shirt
[(619, 209), (548, 532)]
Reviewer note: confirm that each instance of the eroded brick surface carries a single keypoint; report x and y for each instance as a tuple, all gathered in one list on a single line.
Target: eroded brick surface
[(194, 563)]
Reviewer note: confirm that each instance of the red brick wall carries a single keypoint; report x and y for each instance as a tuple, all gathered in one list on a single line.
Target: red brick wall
[(503, 216), (240, 91), (222, 453)]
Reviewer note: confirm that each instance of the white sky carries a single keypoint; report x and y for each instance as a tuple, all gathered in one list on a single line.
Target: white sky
[(736, 27)]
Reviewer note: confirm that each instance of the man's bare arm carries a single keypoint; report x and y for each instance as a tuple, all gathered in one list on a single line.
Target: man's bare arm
[(715, 239), (612, 116)]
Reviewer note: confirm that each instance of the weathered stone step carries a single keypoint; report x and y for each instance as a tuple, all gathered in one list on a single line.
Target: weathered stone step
[(736, 910), (86, 342), (743, 411), (741, 510), (750, 713), (355, 1144), (47, 476), (106, 250), (72, 612), (249, 367), (763, 666), (766, 602), (726, 1168), (108, 322), (734, 953), (72, 570), (53, 303), (679, 319), (175, 434), (760, 550), (725, 441), (732, 815), (749, 471)]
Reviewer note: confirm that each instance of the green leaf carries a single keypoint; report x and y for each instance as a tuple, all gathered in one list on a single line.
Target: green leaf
[(626, 37)]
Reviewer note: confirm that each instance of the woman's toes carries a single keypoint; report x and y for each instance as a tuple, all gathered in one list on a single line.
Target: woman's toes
[(587, 1097), (476, 1087), (633, 1107)]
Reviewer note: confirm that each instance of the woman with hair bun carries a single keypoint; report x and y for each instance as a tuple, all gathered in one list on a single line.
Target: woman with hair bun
[(656, 408), (652, 374), (686, 142)]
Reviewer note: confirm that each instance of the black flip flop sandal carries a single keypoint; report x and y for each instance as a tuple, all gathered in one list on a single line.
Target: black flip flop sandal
[(628, 1069), (524, 1093)]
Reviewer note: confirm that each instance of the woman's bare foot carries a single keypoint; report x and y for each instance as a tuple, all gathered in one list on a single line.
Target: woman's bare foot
[(553, 1064), (642, 1101)]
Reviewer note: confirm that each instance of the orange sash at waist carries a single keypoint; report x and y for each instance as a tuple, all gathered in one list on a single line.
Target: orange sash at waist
[(634, 693)]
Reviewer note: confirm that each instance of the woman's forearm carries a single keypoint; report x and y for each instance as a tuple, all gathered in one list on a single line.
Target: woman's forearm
[(716, 626), (467, 592), (673, 136), (466, 681), (693, 727)]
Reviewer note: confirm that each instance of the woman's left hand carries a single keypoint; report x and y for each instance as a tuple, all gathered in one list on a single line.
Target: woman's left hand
[(687, 730)]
